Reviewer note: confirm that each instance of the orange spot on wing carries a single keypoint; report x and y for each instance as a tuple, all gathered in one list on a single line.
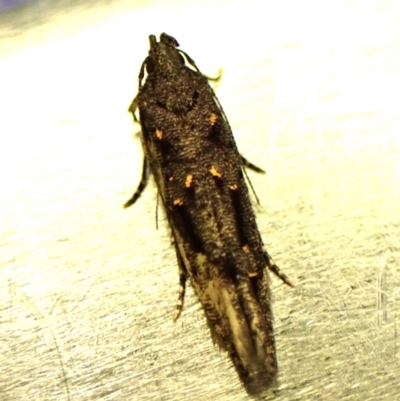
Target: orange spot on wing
[(159, 134), (189, 180), (215, 172), (246, 248), (213, 118), (178, 202)]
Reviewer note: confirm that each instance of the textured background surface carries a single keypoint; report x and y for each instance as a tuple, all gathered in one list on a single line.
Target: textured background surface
[(87, 289)]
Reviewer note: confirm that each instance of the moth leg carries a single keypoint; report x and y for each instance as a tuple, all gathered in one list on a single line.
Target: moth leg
[(214, 79), (251, 186), (132, 108), (157, 199), (251, 166), (190, 60), (142, 185), (277, 271), (193, 64), (182, 286)]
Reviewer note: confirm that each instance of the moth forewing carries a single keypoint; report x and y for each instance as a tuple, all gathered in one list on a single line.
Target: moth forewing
[(190, 150)]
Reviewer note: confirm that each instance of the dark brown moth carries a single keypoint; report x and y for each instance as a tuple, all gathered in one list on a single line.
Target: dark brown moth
[(190, 150)]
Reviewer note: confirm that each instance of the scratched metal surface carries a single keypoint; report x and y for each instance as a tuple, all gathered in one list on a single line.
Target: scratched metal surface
[(87, 289)]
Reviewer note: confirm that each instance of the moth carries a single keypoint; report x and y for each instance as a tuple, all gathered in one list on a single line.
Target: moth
[(190, 150)]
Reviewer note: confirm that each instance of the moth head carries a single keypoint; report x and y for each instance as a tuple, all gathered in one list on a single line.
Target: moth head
[(164, 58)]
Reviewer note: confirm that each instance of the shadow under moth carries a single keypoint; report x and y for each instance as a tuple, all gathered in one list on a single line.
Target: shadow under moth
[(190, 150)]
